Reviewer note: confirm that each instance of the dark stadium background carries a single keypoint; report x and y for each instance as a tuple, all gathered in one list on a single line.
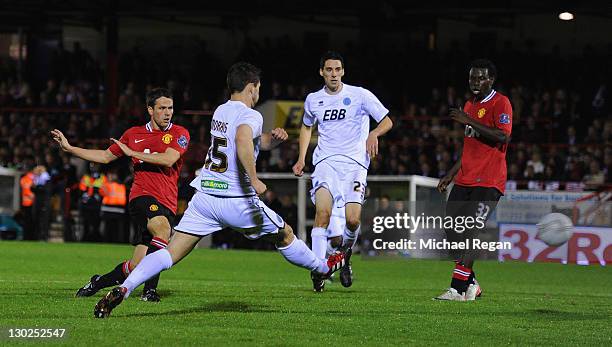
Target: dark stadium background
[(84, 67)]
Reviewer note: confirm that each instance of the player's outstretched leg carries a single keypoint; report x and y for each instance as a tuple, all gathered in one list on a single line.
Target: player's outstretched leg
[(297, 253), (154, 263), (149, 292), (112, 299), (160, 228), (333, 245)]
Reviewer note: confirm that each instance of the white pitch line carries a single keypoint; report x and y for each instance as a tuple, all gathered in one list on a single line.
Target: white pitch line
[(33, 281)]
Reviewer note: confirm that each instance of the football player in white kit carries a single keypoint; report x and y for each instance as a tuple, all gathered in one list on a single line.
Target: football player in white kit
[(227, 190), (342, 156)]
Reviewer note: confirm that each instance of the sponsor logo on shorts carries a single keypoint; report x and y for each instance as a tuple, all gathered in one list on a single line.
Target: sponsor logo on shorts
[(167, 139), (212, 184), (153, 208)]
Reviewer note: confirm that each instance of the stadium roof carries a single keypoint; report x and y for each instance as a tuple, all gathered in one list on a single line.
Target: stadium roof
[(91, 13)]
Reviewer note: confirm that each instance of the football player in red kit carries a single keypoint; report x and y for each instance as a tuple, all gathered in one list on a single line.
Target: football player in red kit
[(479, 173), (156, 149)]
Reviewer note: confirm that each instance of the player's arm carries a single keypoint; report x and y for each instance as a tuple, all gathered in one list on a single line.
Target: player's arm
[(494, 134), (102, 156), (304, 142), (273, 139), (380, 114), (372, 142), (246, 154), (167, 159), (450, 175)]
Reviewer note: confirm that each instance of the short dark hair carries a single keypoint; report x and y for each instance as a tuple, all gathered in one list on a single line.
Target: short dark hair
[(157, 93), (484, 64), (331, 55), (240, 74)]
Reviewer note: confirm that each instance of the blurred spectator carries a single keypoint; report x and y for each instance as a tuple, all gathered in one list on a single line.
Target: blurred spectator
[(114, 199), (384, 207), (536, 163), (27, 205), (595, 177), (514, 172), (42, 206), (571, 138), (91, 202)]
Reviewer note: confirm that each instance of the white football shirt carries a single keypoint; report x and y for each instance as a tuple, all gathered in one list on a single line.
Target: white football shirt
[(222, 173), (343, 122)]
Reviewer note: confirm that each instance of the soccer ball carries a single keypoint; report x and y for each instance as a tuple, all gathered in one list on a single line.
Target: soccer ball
[(555, 229)]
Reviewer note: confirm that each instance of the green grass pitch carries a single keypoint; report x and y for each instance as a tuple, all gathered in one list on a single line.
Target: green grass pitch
[(245, 297)]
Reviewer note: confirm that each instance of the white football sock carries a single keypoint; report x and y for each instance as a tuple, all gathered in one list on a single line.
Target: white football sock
[(148, 267), (319, 242), (350, 237), (297, 253)]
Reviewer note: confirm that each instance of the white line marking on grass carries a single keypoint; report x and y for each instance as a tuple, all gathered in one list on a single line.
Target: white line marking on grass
[(34, 281)]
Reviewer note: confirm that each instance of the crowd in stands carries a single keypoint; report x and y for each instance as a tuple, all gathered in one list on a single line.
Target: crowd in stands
[(562, 129)]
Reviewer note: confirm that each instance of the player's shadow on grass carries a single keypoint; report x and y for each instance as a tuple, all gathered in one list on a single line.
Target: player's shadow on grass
[(223, 306), (165, 293)]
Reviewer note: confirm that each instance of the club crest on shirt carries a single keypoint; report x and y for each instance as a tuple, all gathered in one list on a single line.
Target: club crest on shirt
[(504, 118), (167, 139), (346, 101), (153, 208), (182, 141), (481, 112)]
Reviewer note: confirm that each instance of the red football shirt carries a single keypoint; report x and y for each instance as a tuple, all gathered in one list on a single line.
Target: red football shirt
[(154, 180), (483, 163)]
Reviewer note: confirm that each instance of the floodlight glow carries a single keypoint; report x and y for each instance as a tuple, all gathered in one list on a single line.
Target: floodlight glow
[(566, 16)]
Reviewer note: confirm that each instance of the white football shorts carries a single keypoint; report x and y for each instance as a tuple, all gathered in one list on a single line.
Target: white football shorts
[(345, 181), (207, 214)]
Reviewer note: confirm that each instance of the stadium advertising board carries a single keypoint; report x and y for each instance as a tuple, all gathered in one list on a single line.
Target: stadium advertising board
[(587, 246), (530, 206)]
